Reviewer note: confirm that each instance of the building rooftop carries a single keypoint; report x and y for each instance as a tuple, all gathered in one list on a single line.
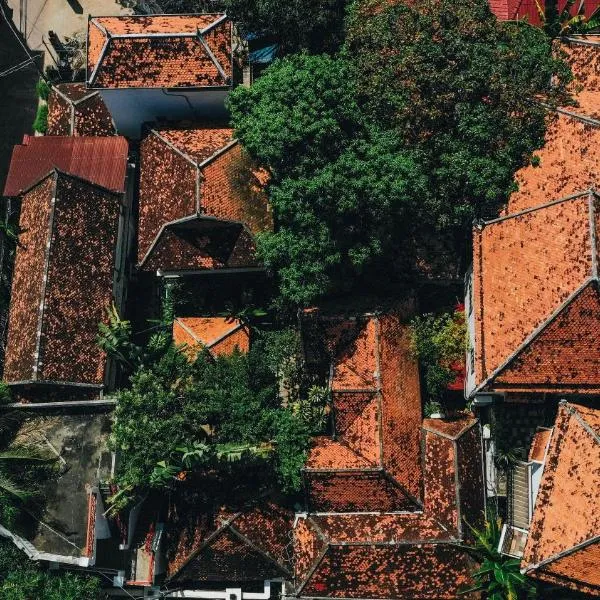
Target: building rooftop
[(535, 292), (160, 51), (387, 488), (75, 110), (62, 283), (563, 545), (200, 200), (100, 160), (219, 335), (251, 543)]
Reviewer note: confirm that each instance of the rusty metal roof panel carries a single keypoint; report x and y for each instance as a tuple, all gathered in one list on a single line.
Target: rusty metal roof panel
[(99, 160)]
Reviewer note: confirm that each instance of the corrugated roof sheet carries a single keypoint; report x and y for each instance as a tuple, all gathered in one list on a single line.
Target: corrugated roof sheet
[(99, 160)]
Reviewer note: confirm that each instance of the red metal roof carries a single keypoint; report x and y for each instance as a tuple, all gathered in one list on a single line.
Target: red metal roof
[(99, 160)]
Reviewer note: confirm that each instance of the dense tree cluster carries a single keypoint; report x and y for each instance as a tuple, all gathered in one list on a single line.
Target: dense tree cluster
[(411, 131), (180, 416)]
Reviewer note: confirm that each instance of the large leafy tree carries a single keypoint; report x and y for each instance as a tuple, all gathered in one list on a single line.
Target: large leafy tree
[(419, 123)]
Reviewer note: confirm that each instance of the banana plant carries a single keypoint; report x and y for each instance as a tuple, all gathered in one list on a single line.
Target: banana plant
[(562, 23), (498, 576)]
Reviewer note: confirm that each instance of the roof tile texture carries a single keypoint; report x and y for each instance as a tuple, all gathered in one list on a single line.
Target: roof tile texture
[(100, 160), (568, 165), (27, 282), (381, 571), (567, 510), (83, 113), (79, 281), (525, 268), (151, 60), (566, 354), (221, 335)]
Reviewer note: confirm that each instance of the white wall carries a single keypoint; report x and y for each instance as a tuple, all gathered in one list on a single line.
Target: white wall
[(130, 108)]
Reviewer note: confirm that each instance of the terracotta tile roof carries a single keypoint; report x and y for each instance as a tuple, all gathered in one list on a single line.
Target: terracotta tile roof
[(563, 545), (63, 282), (377, 414), (535, 297), (247, 545), (569, 158), (539, 445), (379, 554), (197, 171), (75, 110), (220, 335), (100, 160), (159, 51)]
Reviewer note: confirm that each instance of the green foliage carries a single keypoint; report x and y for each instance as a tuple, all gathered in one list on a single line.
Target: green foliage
[(369, 156), (43, 89), (29, 584), (438, 341), (562, 22), (115, 338), (11, 558), (5, 395), (180, 417), (292, 440), (498, 576), (313, 25), (40, 124)]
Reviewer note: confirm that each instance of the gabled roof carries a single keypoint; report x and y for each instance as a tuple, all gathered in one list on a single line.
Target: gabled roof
[(535, 290), (563, 545), (63, 282), (246, 545), (197, 177), (219, 335), (75, 110), (160, 51), (373, 461), (99, 160)]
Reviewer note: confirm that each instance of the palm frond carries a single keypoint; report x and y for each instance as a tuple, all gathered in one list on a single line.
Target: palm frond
[(8, 487)]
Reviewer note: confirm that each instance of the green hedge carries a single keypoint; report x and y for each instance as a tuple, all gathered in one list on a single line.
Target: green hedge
[(41, 119)]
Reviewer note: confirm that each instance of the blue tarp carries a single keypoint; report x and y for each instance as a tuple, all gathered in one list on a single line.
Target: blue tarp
[(264, 56)]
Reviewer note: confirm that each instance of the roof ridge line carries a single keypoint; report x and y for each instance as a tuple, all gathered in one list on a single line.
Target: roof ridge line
[(561, 554), (103, 51), (188, 330), (204, 544), (218, 153), (162, 229), (526, 211), (252, 545), (577, 116), (215, 23), (575, 413), (533, 335), (173, 147), (314, 567), (37, 182), (88, 182), (199, 36), (42, 305), (447, 435)]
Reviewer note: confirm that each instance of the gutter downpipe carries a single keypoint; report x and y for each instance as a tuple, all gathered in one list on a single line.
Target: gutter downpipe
[(227, 594)]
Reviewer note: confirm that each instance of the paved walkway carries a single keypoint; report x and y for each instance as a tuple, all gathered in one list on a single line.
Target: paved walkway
[(34, 18)]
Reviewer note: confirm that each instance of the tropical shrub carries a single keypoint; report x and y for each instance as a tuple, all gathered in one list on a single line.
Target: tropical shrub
[(40, 124), (43, 89), (438, 341)]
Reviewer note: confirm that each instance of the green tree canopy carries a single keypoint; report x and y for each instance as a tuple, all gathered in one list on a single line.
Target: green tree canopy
[(420, 121)]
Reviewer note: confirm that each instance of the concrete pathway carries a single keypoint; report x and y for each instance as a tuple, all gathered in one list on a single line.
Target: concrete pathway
[(34, 18)]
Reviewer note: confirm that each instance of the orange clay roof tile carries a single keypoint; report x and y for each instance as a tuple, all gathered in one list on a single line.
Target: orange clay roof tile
[(537, 452), (75, 110), (567, 511), (63, 282), (220, 335), (525, 268), (160, 51), (175, 187)]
